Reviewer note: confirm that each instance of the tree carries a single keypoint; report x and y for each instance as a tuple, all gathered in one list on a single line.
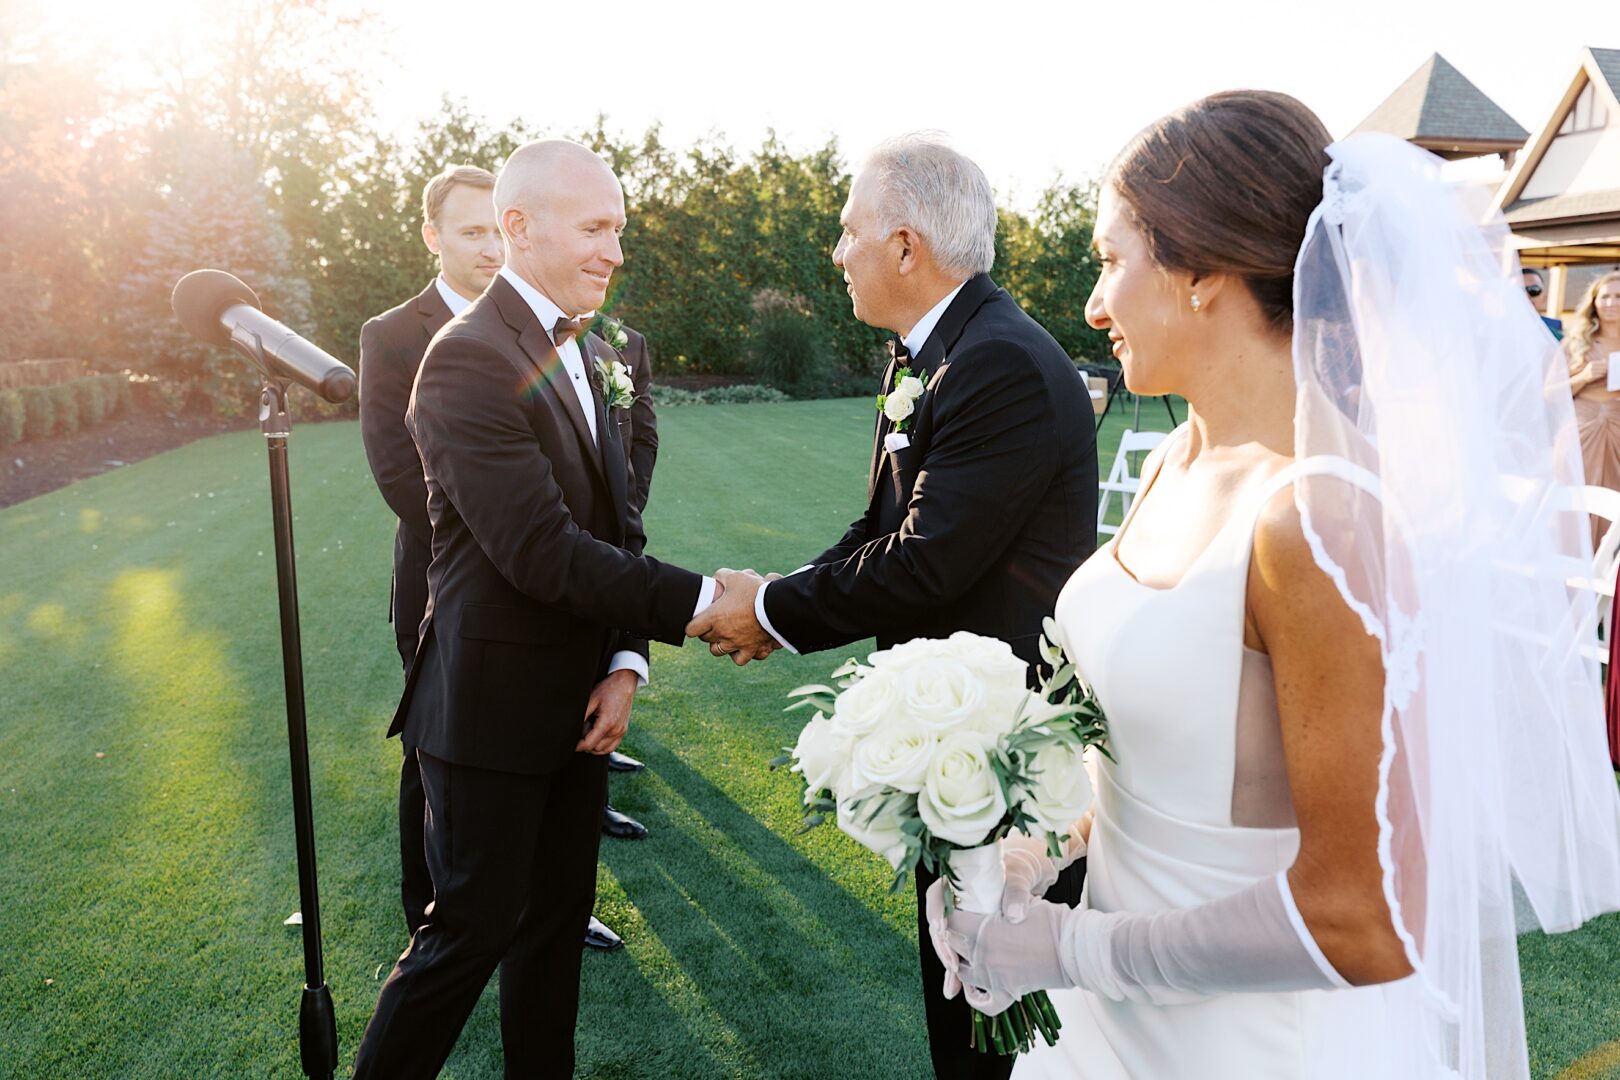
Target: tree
[(215, 214), (68, 194), (1050, 267)]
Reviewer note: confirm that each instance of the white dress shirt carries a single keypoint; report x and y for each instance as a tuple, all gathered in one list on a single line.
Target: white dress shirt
[(452, 299), (574, 363), (913, 340), (917, 336)]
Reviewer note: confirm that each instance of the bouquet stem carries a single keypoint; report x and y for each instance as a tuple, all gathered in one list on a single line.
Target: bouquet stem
[(977, 880)]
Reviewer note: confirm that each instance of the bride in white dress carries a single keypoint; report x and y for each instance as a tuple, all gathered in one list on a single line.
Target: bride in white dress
[(1332, 637)]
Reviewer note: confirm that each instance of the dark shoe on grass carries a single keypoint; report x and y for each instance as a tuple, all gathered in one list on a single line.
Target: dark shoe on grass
[(622, 826)]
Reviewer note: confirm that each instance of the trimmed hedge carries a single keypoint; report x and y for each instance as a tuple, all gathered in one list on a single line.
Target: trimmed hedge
[(40, 412), (741, 394), (12, 418), (40, 408), (66, 400)]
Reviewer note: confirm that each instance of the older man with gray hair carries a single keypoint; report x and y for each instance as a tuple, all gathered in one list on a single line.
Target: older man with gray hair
[(982, 494)]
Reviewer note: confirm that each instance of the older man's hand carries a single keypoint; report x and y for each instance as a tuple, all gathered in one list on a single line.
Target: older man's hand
[(729, 625)]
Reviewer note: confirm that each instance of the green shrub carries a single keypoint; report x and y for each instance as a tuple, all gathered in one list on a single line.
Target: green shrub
[(742, 394), (172, 394), (669, 395), (786, 347), (39, 410), (121, 396), (227, 398), (13, 418), (308, 405), (67, 408), (92, 397)]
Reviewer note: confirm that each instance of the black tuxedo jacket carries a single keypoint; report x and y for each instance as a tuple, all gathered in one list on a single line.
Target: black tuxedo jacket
[(980, 521), (536, 577), (643, 421), (391, 348)]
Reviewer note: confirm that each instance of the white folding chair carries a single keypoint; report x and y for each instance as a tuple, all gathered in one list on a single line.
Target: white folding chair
[(1597, 578), (1122, 481)]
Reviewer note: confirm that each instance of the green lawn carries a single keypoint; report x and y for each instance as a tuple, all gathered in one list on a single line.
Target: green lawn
[(146, 857)]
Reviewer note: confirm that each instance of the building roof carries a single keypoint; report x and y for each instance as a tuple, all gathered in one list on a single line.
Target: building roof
[(1607, 63), (1439, 109), (1601, 67), (1562, 207)]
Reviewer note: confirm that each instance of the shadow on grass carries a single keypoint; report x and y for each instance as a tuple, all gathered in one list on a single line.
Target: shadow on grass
[(804, 978)]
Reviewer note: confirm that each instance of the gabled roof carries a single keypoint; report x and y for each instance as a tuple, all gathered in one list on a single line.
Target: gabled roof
[(1607, 62), (1439, 109), (1601, 68)]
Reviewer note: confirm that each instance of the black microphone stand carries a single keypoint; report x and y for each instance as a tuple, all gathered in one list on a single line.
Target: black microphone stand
[(317, 1024)]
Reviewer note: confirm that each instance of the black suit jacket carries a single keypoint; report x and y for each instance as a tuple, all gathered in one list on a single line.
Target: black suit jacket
[(980, 521), (643, 441), (391, 348), (536, 578)]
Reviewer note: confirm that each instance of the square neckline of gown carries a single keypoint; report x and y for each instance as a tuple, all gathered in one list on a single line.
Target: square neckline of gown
[(1204, 553), (1141, 496)]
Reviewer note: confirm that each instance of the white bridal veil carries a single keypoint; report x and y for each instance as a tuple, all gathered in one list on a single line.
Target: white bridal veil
[(1421, 365)]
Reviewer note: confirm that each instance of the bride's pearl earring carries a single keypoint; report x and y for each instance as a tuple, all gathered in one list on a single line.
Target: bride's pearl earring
[(1196, 303)]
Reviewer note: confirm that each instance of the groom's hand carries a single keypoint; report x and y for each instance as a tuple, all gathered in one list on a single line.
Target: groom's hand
[(607, 714), (729, 625)]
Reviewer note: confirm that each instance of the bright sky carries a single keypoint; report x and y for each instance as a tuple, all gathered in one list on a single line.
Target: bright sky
[(1026, 87), (1029, 88)]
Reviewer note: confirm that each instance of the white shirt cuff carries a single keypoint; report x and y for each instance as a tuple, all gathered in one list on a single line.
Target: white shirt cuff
[(630, 660), (705, 596), (764, 620)]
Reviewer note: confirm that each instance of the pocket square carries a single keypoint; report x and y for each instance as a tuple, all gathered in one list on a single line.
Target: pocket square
[(896, 440)]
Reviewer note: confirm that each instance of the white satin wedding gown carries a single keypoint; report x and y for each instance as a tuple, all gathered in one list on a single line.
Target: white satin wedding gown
[(1195, 807)]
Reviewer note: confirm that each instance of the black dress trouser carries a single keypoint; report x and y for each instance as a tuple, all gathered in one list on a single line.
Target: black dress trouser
[(415, 886), (513, 862)]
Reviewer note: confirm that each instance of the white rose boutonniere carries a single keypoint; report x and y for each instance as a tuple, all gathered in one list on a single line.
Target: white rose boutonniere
[(898, 408), (618, 389), (899, 403), (613, 332)]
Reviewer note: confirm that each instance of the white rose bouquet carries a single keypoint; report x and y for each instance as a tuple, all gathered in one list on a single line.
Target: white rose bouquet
[(933, 751)]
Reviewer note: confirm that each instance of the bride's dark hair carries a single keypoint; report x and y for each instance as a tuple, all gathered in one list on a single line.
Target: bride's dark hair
[(1226, 185)]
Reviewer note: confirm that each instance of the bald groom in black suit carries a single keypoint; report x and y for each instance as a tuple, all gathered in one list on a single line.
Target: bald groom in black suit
[(534, 642)]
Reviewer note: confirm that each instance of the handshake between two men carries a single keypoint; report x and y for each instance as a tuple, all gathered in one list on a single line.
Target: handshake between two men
[(731, 624)]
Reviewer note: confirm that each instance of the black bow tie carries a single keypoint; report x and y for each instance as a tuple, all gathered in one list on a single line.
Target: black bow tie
[(565, 330), (899, 353)]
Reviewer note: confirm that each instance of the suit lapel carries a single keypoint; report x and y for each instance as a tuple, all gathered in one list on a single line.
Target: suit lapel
[(937, 349), (880, 430), (432, 309), (612, 453), (932, 357), (549, 373)]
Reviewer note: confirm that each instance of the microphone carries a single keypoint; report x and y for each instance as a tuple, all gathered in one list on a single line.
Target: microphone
[(217, 308)]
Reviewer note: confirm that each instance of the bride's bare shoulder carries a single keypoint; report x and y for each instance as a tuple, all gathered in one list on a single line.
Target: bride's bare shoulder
[(1287, 586)]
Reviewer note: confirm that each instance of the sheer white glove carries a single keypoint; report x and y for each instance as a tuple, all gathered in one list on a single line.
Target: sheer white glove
[(1251, 941), (1030, 871)]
